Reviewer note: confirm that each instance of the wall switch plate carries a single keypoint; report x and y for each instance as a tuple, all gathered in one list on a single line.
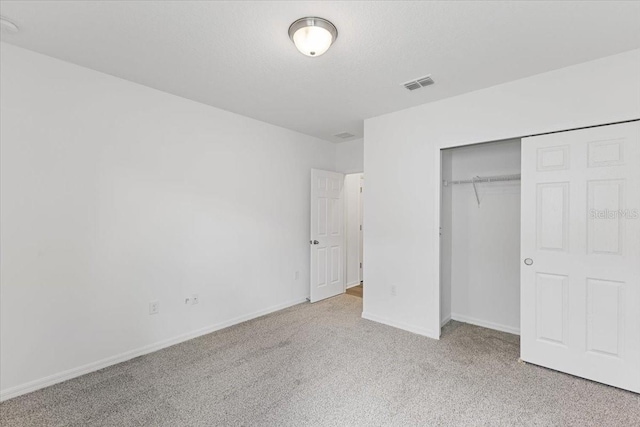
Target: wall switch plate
[(296, 275), (195, 299), (394, 291), (154, 307)]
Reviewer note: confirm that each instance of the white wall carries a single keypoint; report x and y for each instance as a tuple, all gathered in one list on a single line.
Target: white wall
[(113, 195), (483, 265), (402, 164), (352, 216), (350, 156)]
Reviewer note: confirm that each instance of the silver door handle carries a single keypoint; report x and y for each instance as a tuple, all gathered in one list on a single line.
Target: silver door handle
[(314, 242), (528, 261)]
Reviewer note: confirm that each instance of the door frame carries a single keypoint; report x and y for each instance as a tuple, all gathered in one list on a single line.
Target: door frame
[(437, 202), (361, 231), (360, 206), (439, 220)]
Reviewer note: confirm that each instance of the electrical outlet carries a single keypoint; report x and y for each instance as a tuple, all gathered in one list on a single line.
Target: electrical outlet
[(393, 290), (154, 307), (195, 299)]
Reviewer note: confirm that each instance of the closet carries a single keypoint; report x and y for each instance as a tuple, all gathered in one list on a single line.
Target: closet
[(480, 235), (541, 237)]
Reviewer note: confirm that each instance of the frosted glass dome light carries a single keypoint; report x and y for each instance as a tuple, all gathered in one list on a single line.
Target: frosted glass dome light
[(313, 36)]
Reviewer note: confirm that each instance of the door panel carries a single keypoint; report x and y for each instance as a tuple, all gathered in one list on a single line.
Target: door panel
[(327, 234), (551, 299), (604, 317), (553, 216), (606, 196), (581, 229)]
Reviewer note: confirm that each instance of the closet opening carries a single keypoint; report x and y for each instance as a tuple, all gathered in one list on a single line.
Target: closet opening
[(480, 236)]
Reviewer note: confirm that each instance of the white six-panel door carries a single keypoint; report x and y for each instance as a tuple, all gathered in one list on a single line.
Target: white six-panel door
[(327, 234), (580, 307)]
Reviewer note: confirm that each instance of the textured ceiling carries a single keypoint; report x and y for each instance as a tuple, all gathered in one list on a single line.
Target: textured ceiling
[(237, 55)]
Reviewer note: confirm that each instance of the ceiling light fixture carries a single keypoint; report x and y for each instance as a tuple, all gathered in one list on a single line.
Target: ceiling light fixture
[(313, 36), (8, 26)]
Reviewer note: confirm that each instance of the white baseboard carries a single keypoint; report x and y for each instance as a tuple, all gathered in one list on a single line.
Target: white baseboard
[(400, 325), (485, 324), (351, 285), (445, 321), (123, 357)]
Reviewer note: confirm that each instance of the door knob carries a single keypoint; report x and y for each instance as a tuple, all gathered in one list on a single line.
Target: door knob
[(313, 242), (528, 261)]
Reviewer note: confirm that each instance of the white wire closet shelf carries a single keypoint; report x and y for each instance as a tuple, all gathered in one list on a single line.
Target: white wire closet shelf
[(477, 179)]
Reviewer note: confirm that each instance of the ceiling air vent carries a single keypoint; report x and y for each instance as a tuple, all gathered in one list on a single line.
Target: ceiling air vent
[(418, 83), (425, 81), (412, 85), (344, 135)]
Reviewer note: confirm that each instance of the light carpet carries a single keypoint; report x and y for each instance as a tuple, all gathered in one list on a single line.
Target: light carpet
[(323, 365)]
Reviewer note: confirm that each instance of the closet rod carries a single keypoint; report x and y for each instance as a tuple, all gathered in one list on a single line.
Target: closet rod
[(515, 177)]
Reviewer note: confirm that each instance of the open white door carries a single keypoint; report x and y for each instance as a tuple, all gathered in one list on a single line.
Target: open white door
[(327, 234), (581, 250)]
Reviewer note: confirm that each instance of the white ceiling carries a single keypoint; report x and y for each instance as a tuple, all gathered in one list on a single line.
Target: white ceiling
[(237, 55)]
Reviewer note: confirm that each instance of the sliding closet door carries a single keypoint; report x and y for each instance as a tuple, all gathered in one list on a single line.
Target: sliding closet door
[(580, 277)]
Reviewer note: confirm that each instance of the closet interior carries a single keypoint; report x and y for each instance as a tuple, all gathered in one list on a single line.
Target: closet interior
[(480, 235)]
